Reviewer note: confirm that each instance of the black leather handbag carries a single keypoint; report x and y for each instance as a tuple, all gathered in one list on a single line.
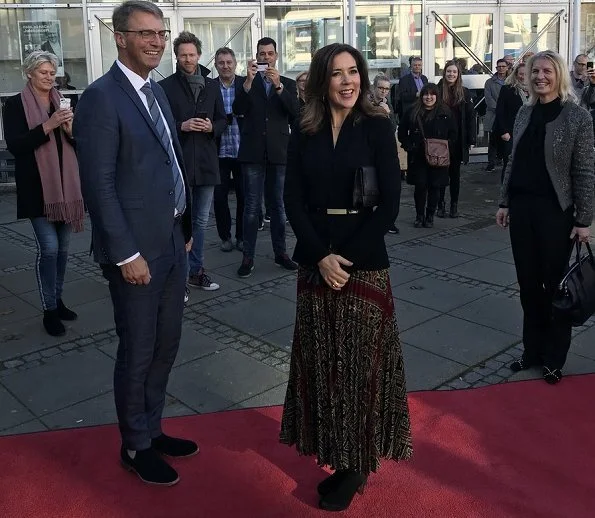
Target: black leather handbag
[(575, 298), (365, 187)]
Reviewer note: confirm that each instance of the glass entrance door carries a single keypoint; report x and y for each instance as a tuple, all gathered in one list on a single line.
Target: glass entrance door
[(236, 28)]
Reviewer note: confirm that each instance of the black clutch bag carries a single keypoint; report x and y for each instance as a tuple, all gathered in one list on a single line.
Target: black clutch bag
[(365, 187), (575, 298)]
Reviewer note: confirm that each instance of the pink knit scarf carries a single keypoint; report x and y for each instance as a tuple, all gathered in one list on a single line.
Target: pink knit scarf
[(62, 198)]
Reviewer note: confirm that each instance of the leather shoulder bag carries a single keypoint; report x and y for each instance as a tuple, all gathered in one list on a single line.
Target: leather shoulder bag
[(366, 193), (575, 298), (436, 150)]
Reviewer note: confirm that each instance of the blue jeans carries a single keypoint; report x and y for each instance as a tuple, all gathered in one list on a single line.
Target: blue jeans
[(202, 197), (254, 186), (52, 255)]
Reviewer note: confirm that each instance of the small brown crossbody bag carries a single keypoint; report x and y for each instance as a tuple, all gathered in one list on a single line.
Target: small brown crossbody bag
[(436, 150)]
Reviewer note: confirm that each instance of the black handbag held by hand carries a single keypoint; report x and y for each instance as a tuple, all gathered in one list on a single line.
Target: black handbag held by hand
[(575, 298), (365, 187)]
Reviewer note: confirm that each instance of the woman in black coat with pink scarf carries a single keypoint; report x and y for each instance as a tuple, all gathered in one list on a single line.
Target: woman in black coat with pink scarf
[(39, 135)]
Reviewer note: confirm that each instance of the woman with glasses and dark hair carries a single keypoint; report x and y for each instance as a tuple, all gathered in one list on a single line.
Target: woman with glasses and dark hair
[(427, 118), (346, 401), (458, 99), (548, 193)]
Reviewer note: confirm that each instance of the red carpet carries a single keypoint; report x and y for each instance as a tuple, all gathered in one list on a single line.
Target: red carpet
[(522, 450)]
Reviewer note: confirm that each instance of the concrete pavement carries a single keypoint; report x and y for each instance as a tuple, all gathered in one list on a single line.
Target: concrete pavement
[(456, 301)]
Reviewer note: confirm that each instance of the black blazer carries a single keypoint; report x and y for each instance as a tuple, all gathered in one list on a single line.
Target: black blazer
[(465, 118), (265, 129), (22, 143), (200, 149), (126, 173), (320, 176), (508, 105), (408, 92)]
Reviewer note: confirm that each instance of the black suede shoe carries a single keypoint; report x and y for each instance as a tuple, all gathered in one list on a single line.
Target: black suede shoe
[(340, 498), (419, 221), (441, 212), (285, 262), (246, 268), (454, 210), (174, 447), (522, 364), (64, 313), (149, 467), (52, 323), (332, 482), (429, 221), (552, 376)]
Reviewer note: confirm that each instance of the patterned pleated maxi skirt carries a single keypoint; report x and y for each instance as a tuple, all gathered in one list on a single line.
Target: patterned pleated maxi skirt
[(346, 401)]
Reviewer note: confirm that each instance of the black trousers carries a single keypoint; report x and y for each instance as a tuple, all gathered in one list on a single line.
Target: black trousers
[(424, 194), (454, 176), (149, 326), (493, 153), (539, 234), (227, 167)]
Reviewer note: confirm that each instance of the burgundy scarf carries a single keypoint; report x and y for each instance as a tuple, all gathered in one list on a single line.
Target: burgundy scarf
[(62, 198)]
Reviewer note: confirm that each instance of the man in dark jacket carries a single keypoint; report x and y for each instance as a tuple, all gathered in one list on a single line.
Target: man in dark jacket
[(268, 103), (410, 86), (197, 106)]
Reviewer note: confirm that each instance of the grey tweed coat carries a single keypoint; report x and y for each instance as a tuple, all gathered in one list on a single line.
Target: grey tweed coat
[(569, 158)]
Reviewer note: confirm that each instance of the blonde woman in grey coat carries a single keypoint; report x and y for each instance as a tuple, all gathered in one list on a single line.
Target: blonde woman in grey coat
[(547, 195)]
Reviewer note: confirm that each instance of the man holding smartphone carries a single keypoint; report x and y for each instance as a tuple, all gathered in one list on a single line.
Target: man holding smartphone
[(268, 103), (197, 105)]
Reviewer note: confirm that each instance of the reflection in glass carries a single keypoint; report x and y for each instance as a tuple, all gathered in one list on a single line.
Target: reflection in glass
[(588, 29), (215, 33), (109, 52), (520, 30), (300, 32), (387, 36)]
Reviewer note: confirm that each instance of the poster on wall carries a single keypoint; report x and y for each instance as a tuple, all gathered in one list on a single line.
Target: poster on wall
[(42, 36)]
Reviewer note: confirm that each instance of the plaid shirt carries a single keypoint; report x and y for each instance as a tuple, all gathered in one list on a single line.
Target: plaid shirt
[(230, 138)]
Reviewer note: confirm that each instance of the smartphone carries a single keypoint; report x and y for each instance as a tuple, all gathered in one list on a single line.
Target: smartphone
[(201, 115), (589, 65), (261, 67), (64, 103)]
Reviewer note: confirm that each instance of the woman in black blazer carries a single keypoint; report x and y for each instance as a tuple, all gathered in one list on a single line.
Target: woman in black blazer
[(458, 99), (346, 399), (437, 122), (512, 96), (39, 135)]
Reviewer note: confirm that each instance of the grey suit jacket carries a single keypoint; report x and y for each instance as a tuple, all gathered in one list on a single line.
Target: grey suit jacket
[(569, 158), (125, 170)]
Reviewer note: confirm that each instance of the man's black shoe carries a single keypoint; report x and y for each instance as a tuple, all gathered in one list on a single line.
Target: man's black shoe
[(285, 262), (246, 268), (149, 466), (393, 230), (174, 447)]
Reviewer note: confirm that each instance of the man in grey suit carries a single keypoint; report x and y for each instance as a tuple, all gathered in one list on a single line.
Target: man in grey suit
[(134, 186)]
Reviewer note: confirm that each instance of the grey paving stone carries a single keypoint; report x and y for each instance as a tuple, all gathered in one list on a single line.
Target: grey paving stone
[(495, 311), (274, 396), (494, 233), (258, 316), (24, 228), (437, 294), (458, 340), (12, 256), (410, 315), (226, 285), (62, 381), (425, 371), (28, 336), (264, 270), (486, 270), (4, 292), (431, 256), (91, 412), (29, 427), (504, 256), (282, 338), (400, 274), (470, 244), (583, 344), (14, 309), (76, 293), (215, 258), (12, 412), (93, 317), (221, 380), (287, 292), (194, 345)]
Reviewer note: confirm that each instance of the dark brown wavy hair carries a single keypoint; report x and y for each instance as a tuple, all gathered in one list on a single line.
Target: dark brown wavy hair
[(452, 95), (319, 78)]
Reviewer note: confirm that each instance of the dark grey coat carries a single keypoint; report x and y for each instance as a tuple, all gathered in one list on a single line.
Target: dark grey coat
[(569, 158)]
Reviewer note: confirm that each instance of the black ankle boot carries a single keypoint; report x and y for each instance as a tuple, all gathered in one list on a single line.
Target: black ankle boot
[(64, 313), (331, 483), (340, 498), (52, 323), (441, 212), (454, 210), (429, 221), (419, 221)]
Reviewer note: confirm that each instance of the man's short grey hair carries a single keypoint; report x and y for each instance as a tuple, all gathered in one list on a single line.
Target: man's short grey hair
[(37, 58), (123, 12), (381, 77), (416, 58)]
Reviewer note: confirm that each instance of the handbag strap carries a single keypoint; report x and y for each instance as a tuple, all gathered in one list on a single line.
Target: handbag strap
[(421, 127)]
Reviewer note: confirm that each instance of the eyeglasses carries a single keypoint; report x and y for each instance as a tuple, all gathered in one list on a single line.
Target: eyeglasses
[(149, 35), (383, 88)]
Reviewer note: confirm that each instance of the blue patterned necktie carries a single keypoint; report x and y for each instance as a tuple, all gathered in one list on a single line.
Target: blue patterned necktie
[(162, 132)]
